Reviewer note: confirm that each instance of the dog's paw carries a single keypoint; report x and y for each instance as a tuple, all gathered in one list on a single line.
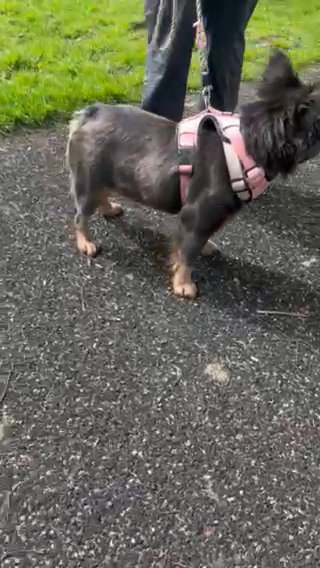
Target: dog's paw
[(210, 249), (111, 210), (185, 289), (88, 248)]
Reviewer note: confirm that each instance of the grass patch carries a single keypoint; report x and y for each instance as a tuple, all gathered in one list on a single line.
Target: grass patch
[(57, 55)]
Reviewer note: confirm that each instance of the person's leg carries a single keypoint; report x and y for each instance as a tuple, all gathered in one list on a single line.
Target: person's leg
[(168, 63), (151, 8), (225, 23)]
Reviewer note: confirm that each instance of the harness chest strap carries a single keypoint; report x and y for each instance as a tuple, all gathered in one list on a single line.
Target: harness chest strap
[(247, 179)]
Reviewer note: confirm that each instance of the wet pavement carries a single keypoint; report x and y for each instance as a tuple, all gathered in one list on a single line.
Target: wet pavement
[(141, 431)]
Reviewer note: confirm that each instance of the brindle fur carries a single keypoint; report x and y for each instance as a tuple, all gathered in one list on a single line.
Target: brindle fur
[(125, 151)]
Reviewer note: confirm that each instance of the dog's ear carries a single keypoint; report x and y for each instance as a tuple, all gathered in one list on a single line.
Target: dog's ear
[(278, 76), (302, 109), (306, 113)]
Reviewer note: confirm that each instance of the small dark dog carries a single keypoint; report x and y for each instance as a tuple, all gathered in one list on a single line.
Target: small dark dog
[(122, 150)]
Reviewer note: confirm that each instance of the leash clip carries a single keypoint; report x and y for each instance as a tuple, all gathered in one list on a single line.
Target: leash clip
[(206, 88), (206, 91)]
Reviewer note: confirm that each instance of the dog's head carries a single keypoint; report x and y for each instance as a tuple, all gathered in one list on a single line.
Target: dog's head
[(282, 128)]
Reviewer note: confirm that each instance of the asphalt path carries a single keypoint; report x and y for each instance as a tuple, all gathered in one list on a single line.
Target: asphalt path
[(140, 431)]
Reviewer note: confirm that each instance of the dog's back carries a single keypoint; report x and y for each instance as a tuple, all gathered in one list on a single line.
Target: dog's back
[(127, 150), (126, 128)]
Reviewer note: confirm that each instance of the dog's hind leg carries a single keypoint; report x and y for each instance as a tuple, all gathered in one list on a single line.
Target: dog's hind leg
[(209, 249), (84, 241), (109, 209), (85, 204)]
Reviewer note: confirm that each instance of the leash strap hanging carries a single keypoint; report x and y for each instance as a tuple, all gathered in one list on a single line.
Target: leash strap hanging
[(203, 55)]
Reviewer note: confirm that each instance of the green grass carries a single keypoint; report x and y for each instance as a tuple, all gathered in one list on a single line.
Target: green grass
[(56, 55)]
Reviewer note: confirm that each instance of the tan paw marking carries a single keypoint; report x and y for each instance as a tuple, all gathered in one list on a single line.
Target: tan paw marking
[(182, 283), (110, 210), (85, 246), (209, 249), (185, 290)]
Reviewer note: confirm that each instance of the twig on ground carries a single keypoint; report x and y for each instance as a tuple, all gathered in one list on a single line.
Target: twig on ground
[(288, 314), (6, 385), (83, 306)]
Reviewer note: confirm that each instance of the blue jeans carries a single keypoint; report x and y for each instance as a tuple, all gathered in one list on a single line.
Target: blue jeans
[(168, 63)]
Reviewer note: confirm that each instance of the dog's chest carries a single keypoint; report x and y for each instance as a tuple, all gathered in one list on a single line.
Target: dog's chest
[(248, 181)]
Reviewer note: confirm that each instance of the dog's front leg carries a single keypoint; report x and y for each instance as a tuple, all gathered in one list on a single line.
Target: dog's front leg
[(199, 222), (183, 257)]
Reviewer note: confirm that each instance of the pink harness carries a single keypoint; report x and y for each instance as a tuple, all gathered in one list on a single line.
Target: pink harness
[(247, 179)]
